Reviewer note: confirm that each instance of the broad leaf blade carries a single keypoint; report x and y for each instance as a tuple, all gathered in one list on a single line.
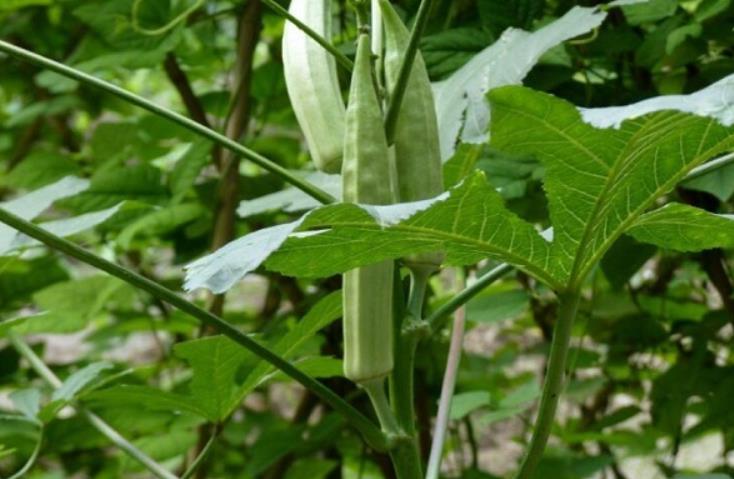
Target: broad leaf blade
[(714, 101), (684, 228), (600, 180), (469, 224), (33, 204), (215, 361)]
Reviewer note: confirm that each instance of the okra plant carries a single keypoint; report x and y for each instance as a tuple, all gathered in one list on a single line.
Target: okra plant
[(406, 182)]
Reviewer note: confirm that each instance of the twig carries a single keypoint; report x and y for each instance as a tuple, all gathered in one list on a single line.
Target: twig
[(181, 82)]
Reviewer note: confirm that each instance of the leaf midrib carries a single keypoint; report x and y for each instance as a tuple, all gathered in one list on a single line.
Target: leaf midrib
[(521, 261), (624, 225), (580, 268)]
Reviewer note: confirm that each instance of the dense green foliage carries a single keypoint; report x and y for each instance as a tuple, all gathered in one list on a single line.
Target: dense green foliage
[(638, 244)]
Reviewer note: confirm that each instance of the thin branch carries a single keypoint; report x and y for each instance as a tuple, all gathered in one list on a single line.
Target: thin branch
[(177, 118), (47, 375), (447, 394), (436, 319), (396, 99), (712, 165), (370, 431), (339, 56), (181, 82), (203, 454)]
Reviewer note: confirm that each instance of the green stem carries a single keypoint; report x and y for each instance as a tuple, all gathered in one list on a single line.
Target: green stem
[(376, 391), (339, 56), (406, 459), (32, 459), (436, 320), (406, 342), (553, 384), (202, 456), (176, 118), (406, 454), (47, 375), (371, 433), (396, 100)]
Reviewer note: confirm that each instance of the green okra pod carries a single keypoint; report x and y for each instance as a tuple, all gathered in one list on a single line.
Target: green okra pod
[(366, 173)]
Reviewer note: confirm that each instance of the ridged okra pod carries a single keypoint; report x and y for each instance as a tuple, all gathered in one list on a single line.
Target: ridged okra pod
[(313, 85), (416, 143), (366, 171)]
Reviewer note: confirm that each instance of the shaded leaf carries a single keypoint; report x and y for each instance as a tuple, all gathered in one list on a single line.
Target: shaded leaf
[(27, 402), (464, 403), (684, 228), (144, 397), (321, 315), (33, 204), (215, 361)]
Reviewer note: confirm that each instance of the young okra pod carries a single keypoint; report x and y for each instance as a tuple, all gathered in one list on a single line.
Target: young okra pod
[(313, 85), (366, 172), (416, 142)]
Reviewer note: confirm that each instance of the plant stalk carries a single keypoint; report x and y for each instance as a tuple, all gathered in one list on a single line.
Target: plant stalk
[(406, 459), (406, 456), (554, 382), (372, 434), (176, 118), (406, 342), (437, 318), (110, 433), (376, 391)]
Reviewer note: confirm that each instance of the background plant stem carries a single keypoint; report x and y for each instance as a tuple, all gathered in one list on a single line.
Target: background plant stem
[(447, 394)]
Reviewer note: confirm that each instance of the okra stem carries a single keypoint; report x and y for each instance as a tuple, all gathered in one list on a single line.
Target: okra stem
[(554, 382), (376, 391)]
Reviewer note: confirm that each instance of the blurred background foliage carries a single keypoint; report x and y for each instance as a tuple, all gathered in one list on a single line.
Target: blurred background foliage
[(653, 380)]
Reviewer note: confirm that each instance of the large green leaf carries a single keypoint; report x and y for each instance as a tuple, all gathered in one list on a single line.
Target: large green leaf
[(215, 361), (217, 386), (469, 224), (599, 181), (146, 398), (684, 228)]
